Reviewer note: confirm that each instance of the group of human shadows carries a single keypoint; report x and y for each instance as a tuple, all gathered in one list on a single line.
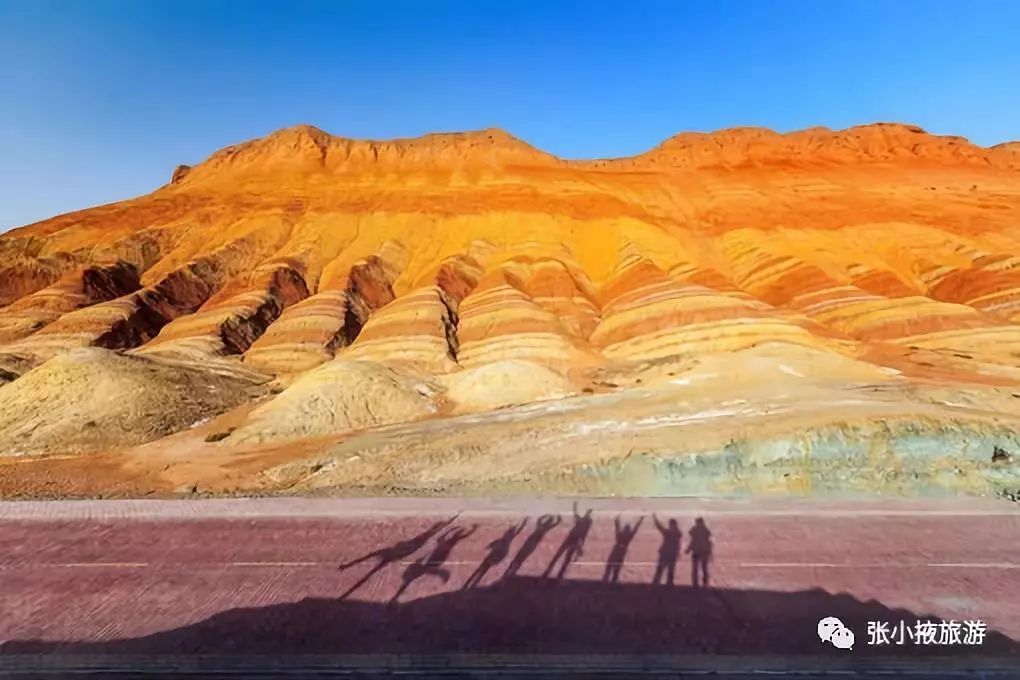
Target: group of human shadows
[(699, 547)]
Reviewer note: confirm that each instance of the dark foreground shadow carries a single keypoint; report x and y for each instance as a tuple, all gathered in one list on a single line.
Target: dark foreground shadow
[(527, 615)]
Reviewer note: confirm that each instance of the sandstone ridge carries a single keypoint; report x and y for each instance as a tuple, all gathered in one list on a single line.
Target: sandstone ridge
[(308, 147)]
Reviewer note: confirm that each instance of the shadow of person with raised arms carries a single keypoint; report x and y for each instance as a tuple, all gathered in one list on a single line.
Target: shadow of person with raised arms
[(432, 564), (393, 553), (669, 551), (700, 549), (573, 545), (624, 535), (543, 526), (498, 550)]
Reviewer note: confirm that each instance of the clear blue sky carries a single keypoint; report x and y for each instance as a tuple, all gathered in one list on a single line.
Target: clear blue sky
[(99, 100)]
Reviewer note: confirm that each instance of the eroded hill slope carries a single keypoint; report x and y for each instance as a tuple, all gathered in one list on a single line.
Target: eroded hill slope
[(464, 311)]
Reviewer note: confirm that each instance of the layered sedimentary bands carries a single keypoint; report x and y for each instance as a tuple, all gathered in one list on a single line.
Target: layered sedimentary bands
[(731, 312)]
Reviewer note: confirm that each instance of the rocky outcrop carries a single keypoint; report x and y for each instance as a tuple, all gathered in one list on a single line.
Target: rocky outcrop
[(23, 273), (230, 326), (647, 315), (420, 328), (839, 306), (122, 323), (311, 331), (880, 281), (180, 172), (560, 287), (307, 149), (876, 143), (500, 321), (990, 283), (78, 289)]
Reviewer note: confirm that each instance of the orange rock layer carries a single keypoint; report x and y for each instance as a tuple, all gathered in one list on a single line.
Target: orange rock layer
[(453, 252)]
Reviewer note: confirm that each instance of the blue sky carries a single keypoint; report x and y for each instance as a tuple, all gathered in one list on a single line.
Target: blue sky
[(99, 100)]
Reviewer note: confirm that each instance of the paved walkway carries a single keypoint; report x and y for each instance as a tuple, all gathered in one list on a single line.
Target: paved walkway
[(369, 576)]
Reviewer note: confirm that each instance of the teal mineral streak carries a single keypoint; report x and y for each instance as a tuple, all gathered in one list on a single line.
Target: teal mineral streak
[(915, 457)]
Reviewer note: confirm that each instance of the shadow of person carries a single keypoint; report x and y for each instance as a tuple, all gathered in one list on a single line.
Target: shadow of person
[(498, 550), (669, 551), (393, 553), (543, 526), (624, 535), (432, 564), (700, 549), (572, 546)]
